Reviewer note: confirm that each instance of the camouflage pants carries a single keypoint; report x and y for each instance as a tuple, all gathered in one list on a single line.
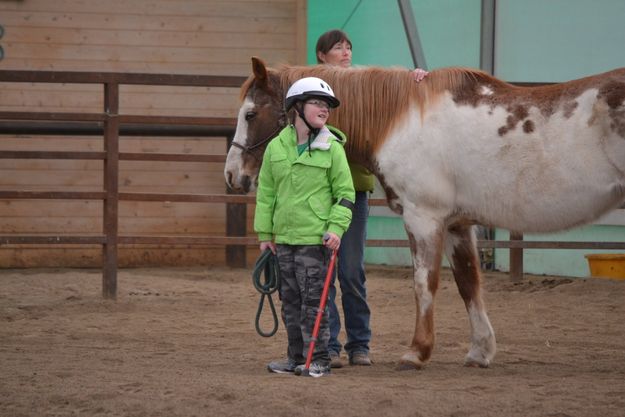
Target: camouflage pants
[(303, 269)]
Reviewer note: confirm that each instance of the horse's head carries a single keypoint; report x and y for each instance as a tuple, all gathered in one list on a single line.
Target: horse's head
[(260, 119)]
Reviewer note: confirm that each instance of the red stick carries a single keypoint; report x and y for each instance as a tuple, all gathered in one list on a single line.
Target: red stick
[(322, 306)]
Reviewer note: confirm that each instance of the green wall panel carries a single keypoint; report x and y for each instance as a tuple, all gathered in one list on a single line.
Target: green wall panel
[(568, 262), (449, 30), (387, 228), (558, 40)]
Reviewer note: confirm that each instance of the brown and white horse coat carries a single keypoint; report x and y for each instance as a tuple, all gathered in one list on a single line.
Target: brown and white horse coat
[(459, 148)]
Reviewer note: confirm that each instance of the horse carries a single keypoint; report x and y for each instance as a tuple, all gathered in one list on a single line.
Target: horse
[(457, 149)]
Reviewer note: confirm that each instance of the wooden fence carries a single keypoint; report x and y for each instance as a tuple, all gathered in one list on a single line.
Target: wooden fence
[(110, 124)]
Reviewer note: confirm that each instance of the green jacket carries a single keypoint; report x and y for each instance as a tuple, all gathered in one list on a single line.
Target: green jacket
[(363, 178), (298, 197)]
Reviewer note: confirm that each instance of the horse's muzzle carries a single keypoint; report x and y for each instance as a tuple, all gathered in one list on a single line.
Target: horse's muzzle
[(243, 184)]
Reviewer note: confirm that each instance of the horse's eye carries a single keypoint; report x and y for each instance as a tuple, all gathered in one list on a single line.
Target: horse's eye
[(250, 115)]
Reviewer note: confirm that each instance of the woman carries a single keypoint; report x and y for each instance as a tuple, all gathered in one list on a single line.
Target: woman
[(335, 48)]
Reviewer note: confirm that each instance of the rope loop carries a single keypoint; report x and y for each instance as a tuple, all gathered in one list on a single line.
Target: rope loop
[(266, 267)]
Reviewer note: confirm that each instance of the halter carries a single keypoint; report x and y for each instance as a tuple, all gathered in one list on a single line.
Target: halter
[(272, 135)]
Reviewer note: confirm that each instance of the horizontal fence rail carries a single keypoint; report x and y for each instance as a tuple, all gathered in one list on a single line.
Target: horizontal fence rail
[(110, 125)]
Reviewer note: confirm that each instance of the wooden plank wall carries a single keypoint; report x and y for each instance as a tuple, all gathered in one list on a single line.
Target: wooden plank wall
[(154, 36)]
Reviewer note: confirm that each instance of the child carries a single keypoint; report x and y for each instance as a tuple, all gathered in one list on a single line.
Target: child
[(303, 206)]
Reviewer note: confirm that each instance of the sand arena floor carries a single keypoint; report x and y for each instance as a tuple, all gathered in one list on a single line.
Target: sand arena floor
[(181, 342)]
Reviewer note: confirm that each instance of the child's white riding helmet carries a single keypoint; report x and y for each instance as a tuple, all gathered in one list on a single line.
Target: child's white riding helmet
[(309, 87)]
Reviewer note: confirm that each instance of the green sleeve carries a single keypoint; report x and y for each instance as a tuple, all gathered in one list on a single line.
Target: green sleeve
[(342, 188)]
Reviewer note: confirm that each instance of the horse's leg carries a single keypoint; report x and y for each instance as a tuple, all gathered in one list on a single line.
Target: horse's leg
[(461, 251), (426, 240)]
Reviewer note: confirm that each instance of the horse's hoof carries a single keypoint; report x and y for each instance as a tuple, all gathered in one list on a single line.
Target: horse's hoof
[(473, 363), (408, 366), (410, 362)]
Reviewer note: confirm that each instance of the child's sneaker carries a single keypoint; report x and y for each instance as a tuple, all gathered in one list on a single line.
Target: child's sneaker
[(316, 370), (286, 366)]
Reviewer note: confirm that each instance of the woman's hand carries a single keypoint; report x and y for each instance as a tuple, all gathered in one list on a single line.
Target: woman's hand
[(268, 244), (331, 241), (418, 74)]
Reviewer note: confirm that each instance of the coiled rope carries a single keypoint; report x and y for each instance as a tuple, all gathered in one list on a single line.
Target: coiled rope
[(267, 263)]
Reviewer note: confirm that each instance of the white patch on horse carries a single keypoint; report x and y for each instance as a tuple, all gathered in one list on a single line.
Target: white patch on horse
[(422, 290), (428, 166), (241, 132), (401, 160), (483, 344), (486, 90), (426, 231), (234, 159)]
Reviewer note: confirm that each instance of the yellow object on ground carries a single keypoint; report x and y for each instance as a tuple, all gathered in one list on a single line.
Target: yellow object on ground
[(607, 265)]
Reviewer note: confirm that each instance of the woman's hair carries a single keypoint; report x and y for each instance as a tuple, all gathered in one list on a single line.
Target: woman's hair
[(328, 40)]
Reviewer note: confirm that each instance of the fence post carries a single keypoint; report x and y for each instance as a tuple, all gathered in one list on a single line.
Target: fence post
[(516, 259), (236, 225), (111, 188)]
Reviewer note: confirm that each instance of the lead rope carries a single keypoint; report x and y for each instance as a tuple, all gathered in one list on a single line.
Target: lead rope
[(267, 263)]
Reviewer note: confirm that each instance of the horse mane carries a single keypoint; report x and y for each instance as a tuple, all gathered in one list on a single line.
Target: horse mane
[(375, 99)]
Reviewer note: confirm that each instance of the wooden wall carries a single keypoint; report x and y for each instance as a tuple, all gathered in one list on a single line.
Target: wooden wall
[(154, 36)]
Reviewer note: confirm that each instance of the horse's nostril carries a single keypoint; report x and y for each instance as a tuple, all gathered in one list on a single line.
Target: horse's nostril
[(246, 183)]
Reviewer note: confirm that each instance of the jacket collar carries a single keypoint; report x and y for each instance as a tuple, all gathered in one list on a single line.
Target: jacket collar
[(323, 140)]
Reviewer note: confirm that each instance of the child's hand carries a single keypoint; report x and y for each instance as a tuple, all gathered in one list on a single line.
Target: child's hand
[(268, 244), (331, 240)]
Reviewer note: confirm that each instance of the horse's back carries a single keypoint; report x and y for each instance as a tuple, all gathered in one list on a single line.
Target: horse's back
[(524, 158)]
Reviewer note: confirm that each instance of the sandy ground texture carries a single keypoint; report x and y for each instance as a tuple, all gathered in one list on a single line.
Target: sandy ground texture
[(181, 342)]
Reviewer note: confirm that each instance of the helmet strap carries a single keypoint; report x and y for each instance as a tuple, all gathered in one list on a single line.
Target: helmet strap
[(314, 131)]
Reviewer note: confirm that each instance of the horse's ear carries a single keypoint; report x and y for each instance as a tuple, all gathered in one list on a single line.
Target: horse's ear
[(260, 70)]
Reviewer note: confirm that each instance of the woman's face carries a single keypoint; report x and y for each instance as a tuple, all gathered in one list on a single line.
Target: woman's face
[(340, 55)]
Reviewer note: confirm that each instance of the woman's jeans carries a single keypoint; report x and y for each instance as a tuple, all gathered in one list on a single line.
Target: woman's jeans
[(351, 275)]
